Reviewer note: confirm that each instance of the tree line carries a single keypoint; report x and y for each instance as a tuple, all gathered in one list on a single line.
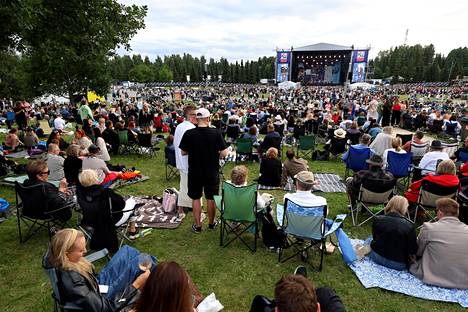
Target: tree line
[(177, 67), (420, 64)]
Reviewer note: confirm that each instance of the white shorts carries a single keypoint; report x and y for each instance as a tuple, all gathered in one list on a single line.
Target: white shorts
[(183, 199)]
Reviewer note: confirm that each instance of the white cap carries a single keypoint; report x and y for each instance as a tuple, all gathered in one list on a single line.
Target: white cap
[(203, 113)]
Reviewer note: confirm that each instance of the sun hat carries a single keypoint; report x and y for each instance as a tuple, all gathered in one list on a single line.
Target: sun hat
[(306, 177), (339, 133)]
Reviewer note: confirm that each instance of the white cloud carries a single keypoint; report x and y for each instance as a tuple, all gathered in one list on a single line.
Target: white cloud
[(251, 29)]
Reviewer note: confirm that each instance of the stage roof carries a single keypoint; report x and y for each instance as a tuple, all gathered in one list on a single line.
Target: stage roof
[(322, 47)]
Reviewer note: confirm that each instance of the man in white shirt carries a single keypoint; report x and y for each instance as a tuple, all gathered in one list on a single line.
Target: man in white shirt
[(59, 123), (303, 195), (182, 160), (429, 161)]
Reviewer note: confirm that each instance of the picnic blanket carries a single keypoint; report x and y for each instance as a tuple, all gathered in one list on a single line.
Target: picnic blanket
[(20, 154), (371, 274), (149, 214), (329, 183), (121, 183)]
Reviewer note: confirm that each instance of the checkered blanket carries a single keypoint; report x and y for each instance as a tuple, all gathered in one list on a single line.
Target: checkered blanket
[(329, 183)]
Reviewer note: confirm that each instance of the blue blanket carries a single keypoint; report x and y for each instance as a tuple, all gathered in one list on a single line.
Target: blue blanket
[(372, 274)]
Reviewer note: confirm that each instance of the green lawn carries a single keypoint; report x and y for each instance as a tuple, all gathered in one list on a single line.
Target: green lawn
[(233, 273)]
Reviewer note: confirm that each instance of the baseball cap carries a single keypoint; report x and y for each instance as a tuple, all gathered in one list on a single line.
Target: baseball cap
[(203, 113)]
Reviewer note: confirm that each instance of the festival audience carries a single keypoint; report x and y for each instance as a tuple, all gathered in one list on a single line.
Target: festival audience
[(30, 138)]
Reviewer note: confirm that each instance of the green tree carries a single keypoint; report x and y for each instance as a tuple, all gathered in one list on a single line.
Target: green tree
[(141, 73), (70, 42), (165, 74)]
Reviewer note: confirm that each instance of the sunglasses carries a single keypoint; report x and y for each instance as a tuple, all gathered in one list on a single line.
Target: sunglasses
[(45, 172)]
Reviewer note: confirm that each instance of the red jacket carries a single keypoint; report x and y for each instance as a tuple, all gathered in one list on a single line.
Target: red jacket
[(464, 169), (443, 180)]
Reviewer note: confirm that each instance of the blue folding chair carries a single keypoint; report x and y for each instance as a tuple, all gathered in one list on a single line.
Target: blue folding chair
[(462, 157), (356, 160), (400, 165), (305, 227)]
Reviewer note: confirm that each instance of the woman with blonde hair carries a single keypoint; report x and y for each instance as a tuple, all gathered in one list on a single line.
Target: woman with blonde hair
[(396, 147), (271, 169), (446, 176), (393, 236), (78, 284)]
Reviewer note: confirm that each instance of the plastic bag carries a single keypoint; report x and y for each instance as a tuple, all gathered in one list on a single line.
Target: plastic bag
[(210, 304)]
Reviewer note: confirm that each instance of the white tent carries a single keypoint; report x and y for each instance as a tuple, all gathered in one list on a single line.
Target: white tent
[(285, 85), (361, 85)]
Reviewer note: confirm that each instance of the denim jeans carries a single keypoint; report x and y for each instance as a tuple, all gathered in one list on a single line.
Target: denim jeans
[(399, 266)]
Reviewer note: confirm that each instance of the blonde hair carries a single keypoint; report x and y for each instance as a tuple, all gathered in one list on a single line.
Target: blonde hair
[(396, 144), (272, 153), (387, 130), (88, 177), (447, 167), (64, 242), (73, 150), (239, 175), (398, 204)]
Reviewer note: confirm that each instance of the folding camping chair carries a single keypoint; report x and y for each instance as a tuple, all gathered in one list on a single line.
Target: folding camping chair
[(356, 160), (35, 214), (306, 145), (238, 207), (462, 157), (400, 165), (170, 163), (405, 138), (145, 146), (450, 148), (305, 227), (54, 277), (374, 193), (418, 151), (243, 149), (124, 144), (429, 193)]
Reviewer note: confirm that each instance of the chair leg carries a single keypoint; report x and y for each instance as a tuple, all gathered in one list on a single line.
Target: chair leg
[(221, 230), (321, 254)]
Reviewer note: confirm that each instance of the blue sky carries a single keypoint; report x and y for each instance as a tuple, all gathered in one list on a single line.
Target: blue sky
[(250, 29)]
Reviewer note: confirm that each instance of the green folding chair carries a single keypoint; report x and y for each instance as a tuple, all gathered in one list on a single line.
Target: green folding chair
[(243, 149), (124, 145), (306, 145), (238, 207)]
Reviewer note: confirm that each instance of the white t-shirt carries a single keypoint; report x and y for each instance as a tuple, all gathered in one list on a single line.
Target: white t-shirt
[(429, 161), (59, 123), (181, 160), (306, 199)]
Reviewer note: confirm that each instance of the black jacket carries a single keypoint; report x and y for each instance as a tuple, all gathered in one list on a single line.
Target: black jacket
[(394, 237), (95, 202), (76, 289), (271, 171)]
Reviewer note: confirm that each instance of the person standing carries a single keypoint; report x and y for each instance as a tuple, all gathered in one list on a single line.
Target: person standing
[(182, 160), (204, 146), (85, 112)]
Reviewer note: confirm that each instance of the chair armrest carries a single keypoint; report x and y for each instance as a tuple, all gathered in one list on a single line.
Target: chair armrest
[(70, 205)]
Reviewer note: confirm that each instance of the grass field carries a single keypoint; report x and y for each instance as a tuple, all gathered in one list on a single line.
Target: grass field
[(233, 273)]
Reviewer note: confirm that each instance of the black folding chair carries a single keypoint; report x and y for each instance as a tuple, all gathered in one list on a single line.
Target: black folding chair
[(33, 212)]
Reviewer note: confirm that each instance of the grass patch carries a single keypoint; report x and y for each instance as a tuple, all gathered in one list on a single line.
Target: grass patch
[(233, 273)]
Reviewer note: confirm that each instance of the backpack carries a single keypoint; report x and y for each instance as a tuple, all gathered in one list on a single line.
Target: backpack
[(169, 202), (271, 235)]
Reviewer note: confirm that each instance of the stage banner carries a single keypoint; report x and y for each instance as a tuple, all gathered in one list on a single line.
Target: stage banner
[(359, 72), (283, 61), (360, 56)]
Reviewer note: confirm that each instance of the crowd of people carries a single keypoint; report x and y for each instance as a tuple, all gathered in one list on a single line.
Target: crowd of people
[(202, 129)]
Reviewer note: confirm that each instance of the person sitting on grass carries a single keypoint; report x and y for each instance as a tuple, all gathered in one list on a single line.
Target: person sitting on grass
[(55, 163), (169, 288), (292, 166), (78, 284), (442, 249), (95, 163), (393, 236), (12, 142), (270, 169), (295, 293)]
